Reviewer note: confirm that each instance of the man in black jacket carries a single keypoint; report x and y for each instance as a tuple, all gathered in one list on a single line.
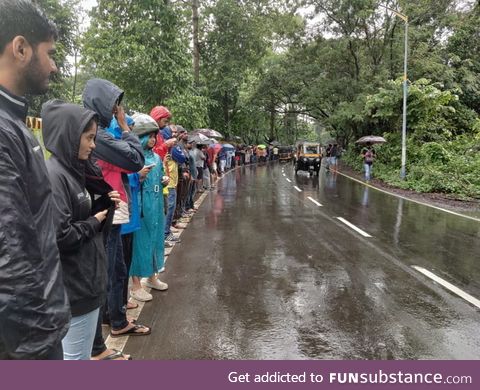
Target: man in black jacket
[(34, 310)]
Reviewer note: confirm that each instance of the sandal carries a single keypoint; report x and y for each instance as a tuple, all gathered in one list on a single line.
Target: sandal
[(132, 305), (115, 355), (134, 331)]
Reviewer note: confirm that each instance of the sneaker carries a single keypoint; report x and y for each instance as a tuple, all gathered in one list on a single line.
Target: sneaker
[(180, 226), (156, 284), (172, 238), (141, 295), (169, 244)]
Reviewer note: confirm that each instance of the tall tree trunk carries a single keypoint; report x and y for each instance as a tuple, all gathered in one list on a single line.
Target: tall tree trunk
[(226, 115), (196, 48), (74, 89), (272, 121)]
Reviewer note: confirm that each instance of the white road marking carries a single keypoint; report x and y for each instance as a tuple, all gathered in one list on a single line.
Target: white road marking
[(474, 301), (314, 201), (289, 180), (411, 200), (298, 189), (364, 234), (284, 175)]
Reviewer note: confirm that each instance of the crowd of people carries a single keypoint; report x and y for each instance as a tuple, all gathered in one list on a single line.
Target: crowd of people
[(83, 234)]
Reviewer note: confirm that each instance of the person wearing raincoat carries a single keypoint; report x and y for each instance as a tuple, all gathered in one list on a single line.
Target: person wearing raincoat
[(148, 242), (69, 134), (116, 158)]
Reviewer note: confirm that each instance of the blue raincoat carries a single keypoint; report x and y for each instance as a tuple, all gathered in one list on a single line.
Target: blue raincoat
[(148, 242)]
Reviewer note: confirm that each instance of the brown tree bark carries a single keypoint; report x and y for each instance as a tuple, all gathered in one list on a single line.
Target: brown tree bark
[(196, 48)]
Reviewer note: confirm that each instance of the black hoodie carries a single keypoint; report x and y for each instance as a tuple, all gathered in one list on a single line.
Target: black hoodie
[(79, 238)]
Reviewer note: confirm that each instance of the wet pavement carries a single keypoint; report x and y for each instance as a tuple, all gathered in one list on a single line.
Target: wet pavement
[(263, 272)]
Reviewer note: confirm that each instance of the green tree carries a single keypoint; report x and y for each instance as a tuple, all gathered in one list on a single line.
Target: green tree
[(140, 47), (64, 16)]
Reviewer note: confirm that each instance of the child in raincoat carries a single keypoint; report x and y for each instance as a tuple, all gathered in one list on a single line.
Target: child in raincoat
[(148, 242)]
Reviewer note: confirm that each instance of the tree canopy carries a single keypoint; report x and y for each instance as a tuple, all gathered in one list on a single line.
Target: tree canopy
[(317, 69)]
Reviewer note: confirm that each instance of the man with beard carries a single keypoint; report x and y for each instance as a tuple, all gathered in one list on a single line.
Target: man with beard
[(34, 311)]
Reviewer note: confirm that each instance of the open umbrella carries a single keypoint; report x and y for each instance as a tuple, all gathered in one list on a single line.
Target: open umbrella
[(209, 133), (373, 139), (261, 146), (228, 147), (200, 139)]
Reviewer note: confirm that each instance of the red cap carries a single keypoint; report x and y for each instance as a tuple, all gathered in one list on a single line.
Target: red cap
[(159, 112)]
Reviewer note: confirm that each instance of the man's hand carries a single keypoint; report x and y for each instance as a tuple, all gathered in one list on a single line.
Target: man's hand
[(101, 216), (170, 142), (122, 122), (115, 197), (144, 172)]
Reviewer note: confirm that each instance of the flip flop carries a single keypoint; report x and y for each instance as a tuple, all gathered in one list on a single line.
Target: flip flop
[(133, 331), (132, 305), (115, 355)]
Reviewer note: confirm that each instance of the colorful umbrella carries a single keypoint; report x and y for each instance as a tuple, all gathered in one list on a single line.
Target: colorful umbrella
[(261, 146)]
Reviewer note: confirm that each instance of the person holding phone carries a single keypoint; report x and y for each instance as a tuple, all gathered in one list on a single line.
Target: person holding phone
[(69, 135), (148, 242), (116, 158)]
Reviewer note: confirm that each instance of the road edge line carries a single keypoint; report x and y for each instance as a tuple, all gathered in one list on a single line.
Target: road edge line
[(449, 286), (409, 199)]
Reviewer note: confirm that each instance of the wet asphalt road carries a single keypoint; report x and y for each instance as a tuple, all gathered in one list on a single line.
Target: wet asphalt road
[(264, 273)]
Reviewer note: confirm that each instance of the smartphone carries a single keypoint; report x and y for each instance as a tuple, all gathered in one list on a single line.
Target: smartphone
[(150, 165)]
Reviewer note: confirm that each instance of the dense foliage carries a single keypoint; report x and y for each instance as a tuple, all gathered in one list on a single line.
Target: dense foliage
[(285, 70)]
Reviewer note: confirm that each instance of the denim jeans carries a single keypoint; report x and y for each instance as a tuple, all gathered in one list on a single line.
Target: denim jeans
[(117, 275), (191, 195), (223, 164), (77, 343), (368, 171), (171, 205), (206, 179)]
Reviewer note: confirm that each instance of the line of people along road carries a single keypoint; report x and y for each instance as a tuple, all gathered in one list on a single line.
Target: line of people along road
[(114, 192)]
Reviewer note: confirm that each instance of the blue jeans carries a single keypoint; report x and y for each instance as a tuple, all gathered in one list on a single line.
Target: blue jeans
[(77, 343), (368, 171), (117, 276), (171, 205), (191, 195)]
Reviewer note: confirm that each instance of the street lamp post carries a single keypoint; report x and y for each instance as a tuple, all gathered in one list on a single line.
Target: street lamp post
[(405, 92)]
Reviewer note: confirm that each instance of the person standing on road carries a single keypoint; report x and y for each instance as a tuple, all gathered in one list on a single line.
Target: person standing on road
[(333, 157), (116, 157), (148, 242), (34, 309), (69, 134), (368, 155)]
